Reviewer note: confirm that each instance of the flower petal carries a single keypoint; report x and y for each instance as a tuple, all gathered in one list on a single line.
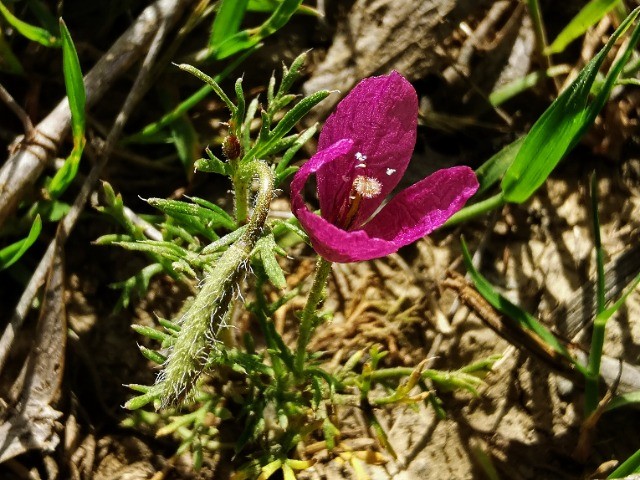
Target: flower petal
[(380, 115), (424, 206), (331, 242)]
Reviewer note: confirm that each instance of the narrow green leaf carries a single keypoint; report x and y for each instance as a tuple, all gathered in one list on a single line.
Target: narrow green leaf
[(212, 164), (291, 74), (630, 466), (141, 400), (491, 171), (268, 6), (225, 241), (248, 38), (152, 333), (290, 119), (214, 218), (33, 33), (77, 103), (12, 253), (504, 306), (73, 84), (63, 177), (564, 122), (632, 398), (608, 313), (211, 82), (216, 209), (227, 22), (152, 355), (266, 247), (590, 14), (511, 89)]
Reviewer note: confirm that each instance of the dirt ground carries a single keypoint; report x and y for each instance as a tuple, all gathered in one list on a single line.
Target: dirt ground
[(527, 417)]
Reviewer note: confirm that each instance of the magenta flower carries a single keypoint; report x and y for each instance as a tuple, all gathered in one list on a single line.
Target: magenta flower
[(363, 151)]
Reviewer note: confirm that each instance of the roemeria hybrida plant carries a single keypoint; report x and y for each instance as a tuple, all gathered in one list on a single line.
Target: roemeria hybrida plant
[(363, 151)]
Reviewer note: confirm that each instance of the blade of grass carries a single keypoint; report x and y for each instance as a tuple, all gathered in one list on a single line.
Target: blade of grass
[(511, 89), (33, 33), (250, 37), (630, 466), (12, 253), (268, 6), (77, 104), (590, 14), (504, 306), (564, 122), (624, 400), (227, 21)]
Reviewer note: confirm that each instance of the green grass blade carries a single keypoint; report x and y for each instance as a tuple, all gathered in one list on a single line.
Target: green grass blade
[(630, 466), (63, 177), (511, 89), (590, 14), (563, 123), (504, 306), (250, 37), (33, 33), (74, 84), (12, 253), (268, 6), (624, 400), (491, 171), (227, 22), (77, 104)]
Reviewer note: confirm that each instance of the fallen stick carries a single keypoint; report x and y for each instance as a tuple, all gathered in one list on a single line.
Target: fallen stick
[(29, 159), (618, 375)]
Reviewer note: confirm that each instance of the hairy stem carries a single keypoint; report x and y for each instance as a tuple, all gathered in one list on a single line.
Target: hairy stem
[(316, 295), (204, 321)]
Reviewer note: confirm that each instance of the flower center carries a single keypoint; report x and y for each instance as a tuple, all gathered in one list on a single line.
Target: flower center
[(362, 187)]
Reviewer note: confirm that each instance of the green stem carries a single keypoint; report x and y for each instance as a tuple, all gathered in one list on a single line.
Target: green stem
[(241, 195), (595, 356), (205, 321), (592, 384), (472, 211), (316, 294)]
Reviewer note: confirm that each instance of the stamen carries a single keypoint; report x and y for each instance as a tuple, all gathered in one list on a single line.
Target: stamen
[(368, 187), (391, 171), (362, 187), (361, 157)]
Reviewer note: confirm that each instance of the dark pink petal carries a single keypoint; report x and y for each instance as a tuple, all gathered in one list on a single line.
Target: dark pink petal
[(329, 241), (330, 155), (424, 206), (337, 245), (380, 115)]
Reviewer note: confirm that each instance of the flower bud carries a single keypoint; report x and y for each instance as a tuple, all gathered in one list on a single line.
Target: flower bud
[(231, 147)]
